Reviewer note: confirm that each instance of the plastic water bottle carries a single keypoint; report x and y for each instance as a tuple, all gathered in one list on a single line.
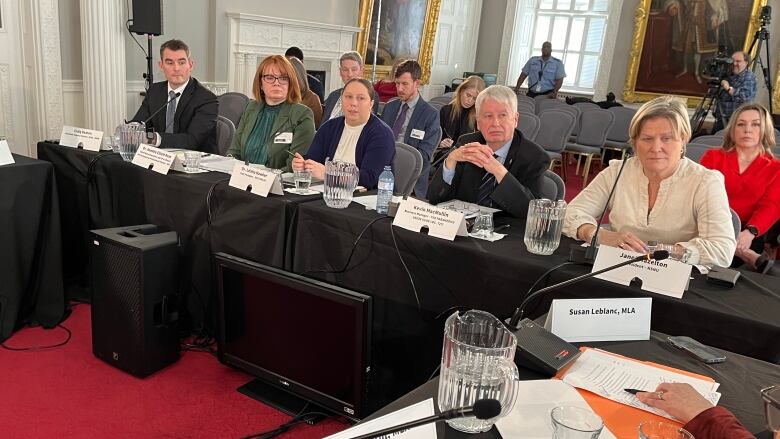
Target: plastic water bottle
[(385, 193)]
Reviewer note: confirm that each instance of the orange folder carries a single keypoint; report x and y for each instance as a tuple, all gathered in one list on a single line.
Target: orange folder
[(622, 420)]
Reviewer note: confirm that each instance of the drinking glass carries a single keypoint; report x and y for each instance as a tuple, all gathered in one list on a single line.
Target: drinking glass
[(483, 225), (302, 180), (477, 361), (130, 136), (569, 422), (543, 225), (340, 181), (662, 430), (191, 161)]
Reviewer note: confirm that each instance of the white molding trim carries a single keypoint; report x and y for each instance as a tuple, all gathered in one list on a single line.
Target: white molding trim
[(47, 81), (253, 37), (136, 87), (600, 89), (7, 126)]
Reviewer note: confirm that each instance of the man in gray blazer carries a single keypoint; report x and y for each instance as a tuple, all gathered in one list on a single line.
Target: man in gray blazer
[(413, 121), (350, 66)]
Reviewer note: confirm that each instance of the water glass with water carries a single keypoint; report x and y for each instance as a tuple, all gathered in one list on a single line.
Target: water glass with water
[(130, 136), (191, 161), (543, 225), (341, 179), (570, 422), (483, 225), (662, 430), (302, 180), (477, 362)]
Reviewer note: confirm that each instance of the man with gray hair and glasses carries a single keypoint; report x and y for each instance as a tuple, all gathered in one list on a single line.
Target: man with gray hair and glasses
[(350, 66), (495, 166)]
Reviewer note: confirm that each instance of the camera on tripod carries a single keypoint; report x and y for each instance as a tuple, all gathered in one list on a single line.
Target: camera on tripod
[(719, 67), (765, 15)]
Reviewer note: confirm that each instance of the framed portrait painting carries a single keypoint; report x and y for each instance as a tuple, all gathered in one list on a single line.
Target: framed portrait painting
[(676, 40), (407, 29)]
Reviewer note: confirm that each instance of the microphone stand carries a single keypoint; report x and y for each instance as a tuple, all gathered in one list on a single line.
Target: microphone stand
[(148, 76)]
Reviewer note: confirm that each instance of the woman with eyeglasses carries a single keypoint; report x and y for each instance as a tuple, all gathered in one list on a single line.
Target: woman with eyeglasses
[(702, 419), (275, 122), (357, 137)]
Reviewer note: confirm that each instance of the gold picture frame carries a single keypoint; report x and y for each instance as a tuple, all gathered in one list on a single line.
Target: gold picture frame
[(424, 29), (636, 89)]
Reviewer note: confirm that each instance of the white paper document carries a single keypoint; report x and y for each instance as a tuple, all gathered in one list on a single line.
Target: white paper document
[(218, 163), (5, 153), (530, 417), (469, 210), (369, 201), (608, 375), (422, 409)]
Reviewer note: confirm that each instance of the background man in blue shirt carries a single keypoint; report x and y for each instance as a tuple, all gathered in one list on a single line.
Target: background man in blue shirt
[(545, 74), (739, 88)]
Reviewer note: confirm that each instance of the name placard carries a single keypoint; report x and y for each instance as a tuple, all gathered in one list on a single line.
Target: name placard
[(76, 137), (154, 158), (667, 277), (577, 320), (258, 181), (5, 154), (415, 215)]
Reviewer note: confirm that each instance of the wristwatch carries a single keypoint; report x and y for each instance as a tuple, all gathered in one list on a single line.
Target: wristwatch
[(752, 229), (151, 138)]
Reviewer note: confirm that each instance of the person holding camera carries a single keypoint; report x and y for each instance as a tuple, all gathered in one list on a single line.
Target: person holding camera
[(737, 89)]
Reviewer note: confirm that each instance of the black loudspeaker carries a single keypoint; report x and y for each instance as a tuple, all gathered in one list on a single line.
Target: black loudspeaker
[(134, 300), (147, 17)]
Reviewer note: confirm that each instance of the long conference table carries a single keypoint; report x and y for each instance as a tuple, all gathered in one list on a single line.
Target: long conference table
[(301, 234)]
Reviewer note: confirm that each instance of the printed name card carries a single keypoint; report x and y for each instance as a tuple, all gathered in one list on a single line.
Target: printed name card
[(258, 181), (154, 158), (578, 320), (75, 137), (416, 215), (5, 154), (667, 277)]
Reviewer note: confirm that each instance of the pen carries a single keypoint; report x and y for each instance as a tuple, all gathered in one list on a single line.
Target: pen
[(292, 154), (635, 391)]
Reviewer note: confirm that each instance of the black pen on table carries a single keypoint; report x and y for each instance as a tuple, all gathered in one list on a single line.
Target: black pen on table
[(635, 391)]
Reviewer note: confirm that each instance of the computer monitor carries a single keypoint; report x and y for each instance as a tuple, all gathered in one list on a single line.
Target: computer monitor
[(306, 341)]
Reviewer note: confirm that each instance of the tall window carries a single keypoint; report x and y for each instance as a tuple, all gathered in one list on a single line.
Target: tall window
[(576, 30)]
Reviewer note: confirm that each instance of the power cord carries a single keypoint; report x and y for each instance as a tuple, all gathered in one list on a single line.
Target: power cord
[(408, 273), (352, 251), (127, 26), (302, 417), (41, 348)]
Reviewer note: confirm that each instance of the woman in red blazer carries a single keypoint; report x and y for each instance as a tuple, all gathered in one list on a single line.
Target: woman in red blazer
[(752, 176)]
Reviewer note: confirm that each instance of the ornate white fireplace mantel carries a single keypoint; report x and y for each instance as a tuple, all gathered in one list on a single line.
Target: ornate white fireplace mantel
[(253, 37)]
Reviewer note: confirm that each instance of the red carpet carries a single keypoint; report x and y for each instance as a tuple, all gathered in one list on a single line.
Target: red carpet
[(66, 392)]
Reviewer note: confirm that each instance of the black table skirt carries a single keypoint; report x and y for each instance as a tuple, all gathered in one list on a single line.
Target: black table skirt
[(741, 380), (31, 288), (495, 276)]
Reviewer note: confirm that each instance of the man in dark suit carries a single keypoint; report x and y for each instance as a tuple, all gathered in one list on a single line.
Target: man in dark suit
[(314, 84), (496, 166), (187, 120), (350, 66), (413, 120)]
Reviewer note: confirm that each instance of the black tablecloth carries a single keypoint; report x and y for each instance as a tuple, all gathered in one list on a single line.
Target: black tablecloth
[(741, 380), (30, 255), (494, 276)]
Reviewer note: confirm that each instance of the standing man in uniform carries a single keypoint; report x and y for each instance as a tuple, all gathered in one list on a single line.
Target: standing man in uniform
[(545, 74)]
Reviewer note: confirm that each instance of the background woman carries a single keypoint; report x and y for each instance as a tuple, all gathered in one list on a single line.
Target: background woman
[(385, 87), (459, 116), (308, 97), (357, 137), (752, 177), (662, 196), (275, 122)]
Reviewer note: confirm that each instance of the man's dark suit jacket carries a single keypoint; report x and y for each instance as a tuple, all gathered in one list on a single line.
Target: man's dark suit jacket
[(194, 125), (424, 118), (526, 163), (315, 86), (334, 97)]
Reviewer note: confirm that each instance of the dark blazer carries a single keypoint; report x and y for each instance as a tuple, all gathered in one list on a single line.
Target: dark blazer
[(194, 125), (334, 97), (375, 147), (424, 118), (315, 86), (526, 163)]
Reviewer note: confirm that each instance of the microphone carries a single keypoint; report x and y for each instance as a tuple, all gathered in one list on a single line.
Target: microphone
[(161, 107), (657, 255), (590, 251), (482, 409)]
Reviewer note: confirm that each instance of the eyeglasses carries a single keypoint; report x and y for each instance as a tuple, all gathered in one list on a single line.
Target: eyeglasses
[(270, 79), (771, 397)]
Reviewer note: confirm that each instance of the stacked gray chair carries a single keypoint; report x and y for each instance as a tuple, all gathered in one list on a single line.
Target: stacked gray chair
[(546, 104), (407, 166), (529, 124), (440, 101), (225, 132), (595, 126), (617, 137), (584, 106), (709, 140), (695, 151), (554, 129), (231, 105), (553, 187), (523, 106)]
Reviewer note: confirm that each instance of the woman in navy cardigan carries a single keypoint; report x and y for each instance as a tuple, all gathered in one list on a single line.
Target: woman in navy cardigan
[(358, 137)]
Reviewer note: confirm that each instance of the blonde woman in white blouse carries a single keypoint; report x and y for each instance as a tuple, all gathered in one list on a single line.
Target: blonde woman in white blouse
[(662, 196)]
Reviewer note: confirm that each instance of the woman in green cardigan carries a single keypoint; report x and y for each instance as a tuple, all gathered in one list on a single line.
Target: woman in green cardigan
[(275, 122)]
